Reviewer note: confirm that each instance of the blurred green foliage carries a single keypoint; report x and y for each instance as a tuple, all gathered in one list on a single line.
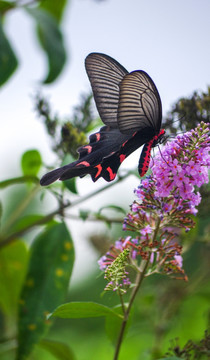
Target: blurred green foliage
[(47, 16), (45, 287), (187, 113), (69, 134), (37, 251)]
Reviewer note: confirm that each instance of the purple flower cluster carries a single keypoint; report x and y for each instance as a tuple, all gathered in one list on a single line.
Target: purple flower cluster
[(182, 165), (180, 168), (166, 201)]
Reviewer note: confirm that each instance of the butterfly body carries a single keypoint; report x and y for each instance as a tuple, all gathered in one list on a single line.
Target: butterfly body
[(146, 152), (130, 107)]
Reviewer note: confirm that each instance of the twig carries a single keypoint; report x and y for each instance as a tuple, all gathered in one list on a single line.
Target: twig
[(92, 218), (42, 221), (59, 211)]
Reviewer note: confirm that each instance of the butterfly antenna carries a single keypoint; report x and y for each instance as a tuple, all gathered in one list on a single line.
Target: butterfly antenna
[(172, 136), (162, 155), (174, 121)]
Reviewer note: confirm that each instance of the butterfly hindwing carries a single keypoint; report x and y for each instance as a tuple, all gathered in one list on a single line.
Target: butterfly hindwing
[(110, 164), (102, 144), (139, 103)]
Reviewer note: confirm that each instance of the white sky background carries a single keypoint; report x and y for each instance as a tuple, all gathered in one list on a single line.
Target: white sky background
[(168, 39)]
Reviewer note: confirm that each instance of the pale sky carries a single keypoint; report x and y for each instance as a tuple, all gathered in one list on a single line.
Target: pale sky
[(166, 38)]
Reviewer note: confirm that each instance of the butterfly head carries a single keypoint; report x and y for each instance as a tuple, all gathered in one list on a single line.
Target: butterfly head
[(160, 138)]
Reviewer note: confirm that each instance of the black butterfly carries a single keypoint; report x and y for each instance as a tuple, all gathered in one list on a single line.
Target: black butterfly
[(129, 105)]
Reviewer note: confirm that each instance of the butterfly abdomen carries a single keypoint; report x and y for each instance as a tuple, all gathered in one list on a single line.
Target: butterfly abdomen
[(145, 158), (146, 152)]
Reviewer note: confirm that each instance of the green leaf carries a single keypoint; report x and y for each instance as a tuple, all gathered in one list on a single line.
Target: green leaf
[(8, 60), (32, 220), (31, 162), (70, 184), (51, 40), (13, 262), (6, 5), (113, 326), (82, 310), (113, 207), (83, 214), (55, 8), (60, 350), (46, 284)]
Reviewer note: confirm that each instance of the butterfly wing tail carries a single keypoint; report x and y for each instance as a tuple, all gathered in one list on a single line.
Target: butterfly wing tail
[(52, 176), (77, 168), (100, 158)]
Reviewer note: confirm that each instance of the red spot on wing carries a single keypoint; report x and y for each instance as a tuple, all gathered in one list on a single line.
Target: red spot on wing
[(85, 163), (94, 137), (88, 148), (111, 174), (99, 167), (127, 140), (122, 157), (98, 136)]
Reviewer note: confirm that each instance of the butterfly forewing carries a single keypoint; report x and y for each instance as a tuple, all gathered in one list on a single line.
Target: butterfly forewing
[(105, 75), (139, 103)]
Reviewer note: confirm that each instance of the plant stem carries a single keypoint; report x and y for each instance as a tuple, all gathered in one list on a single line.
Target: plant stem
[(88, 196), (18, 180), (138, 282), (96, 219), (122, 302), (139, 279), (42, 221)]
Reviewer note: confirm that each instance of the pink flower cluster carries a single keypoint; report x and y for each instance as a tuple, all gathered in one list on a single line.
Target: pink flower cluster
[(180, 168), (166, 200), (182, 165)]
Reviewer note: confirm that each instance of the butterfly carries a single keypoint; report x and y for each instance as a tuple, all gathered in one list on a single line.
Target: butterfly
[(130, 107)]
